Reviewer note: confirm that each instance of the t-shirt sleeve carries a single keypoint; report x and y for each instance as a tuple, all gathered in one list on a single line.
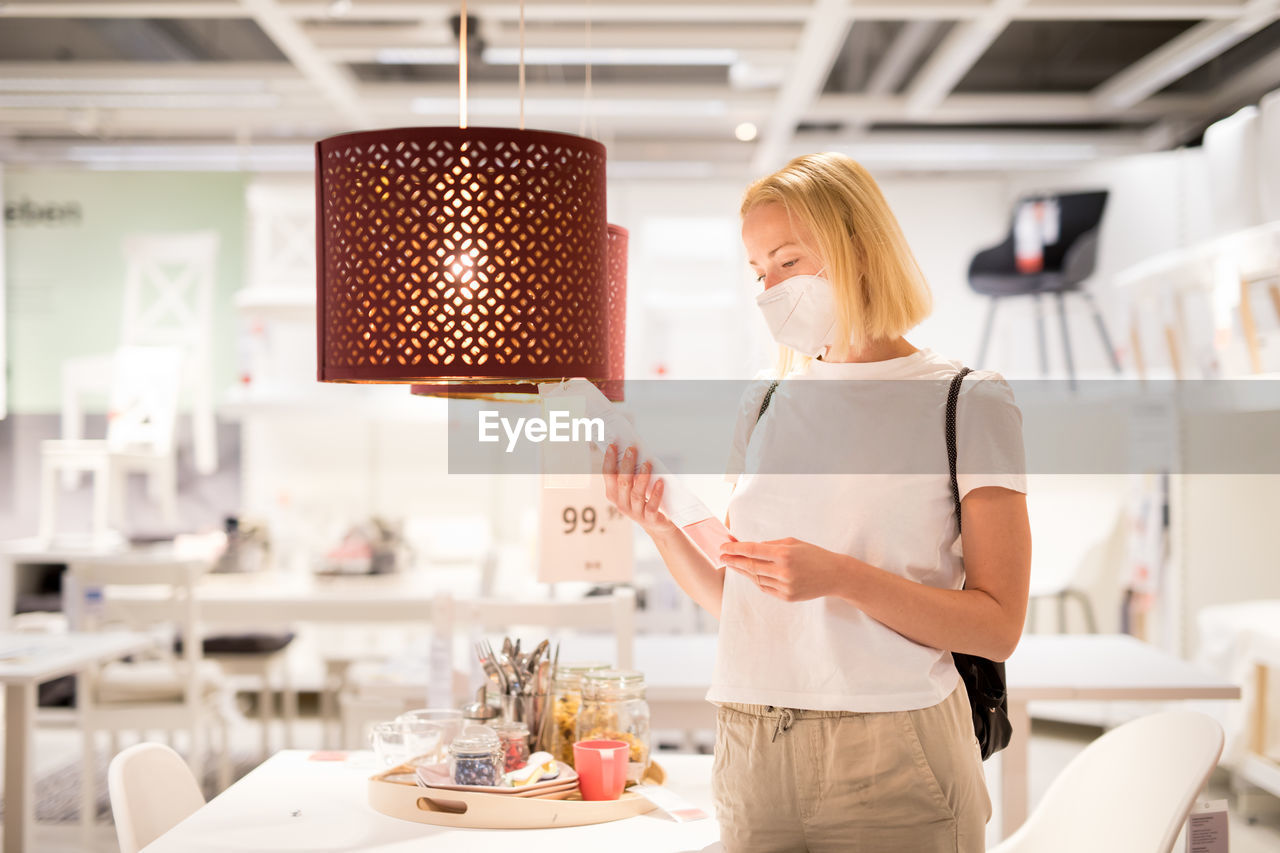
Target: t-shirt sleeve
[(748, 412), (989, 435)]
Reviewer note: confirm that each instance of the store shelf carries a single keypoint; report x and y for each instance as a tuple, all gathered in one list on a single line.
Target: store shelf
[(287, 303)]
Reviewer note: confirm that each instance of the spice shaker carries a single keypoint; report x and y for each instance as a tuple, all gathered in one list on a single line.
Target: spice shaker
[(480, 712)]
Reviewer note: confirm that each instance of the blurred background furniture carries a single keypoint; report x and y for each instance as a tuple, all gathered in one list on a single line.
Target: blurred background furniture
[(1129, 791), (1090, 667), (1064, 229), (141, 424), (1203, 294), (152, 790), (168, 693), (1077, 538), (1241, 642), (168, 302), (27, 660)]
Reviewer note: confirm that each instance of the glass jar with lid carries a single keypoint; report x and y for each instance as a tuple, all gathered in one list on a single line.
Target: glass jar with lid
[(614, 708), (566, 699), (475, 757), (515, 745)]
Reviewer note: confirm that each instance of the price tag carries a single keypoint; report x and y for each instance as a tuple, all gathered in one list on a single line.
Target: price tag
[(583, 536)]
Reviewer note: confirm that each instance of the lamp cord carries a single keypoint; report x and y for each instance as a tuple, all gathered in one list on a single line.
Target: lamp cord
[(586, 91), (522, 64), (462, 68)]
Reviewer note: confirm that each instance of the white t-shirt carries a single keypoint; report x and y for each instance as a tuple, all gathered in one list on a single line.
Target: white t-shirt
[(887, 501)]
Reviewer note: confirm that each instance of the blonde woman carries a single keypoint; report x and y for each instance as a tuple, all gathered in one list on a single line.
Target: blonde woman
[(842, 723)]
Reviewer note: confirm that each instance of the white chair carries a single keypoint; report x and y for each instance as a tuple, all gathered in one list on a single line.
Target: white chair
[(1129, 791), (152, 790), (141, 425), (168, 301), (168, 693), (1076, 535)]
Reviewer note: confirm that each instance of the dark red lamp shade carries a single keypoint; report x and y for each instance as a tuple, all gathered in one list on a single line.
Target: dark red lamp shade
[(461, 258), (614, 383)]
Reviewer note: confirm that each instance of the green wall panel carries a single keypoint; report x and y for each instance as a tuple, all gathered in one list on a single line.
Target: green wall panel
[(65, 266)]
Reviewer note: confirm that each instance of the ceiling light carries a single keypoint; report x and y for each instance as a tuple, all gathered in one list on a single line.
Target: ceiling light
[(462, 257), (630, 107), (339, 8), (745, 131), (417, 56), (611, 56)]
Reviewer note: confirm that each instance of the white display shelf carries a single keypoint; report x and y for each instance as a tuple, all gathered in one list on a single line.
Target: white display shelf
[(278, 303)]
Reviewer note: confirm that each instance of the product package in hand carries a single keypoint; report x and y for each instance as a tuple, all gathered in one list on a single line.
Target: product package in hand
[(679, 504)]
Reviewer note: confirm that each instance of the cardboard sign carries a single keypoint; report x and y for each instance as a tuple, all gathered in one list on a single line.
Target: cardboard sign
[(1207, 827), (583, 537)]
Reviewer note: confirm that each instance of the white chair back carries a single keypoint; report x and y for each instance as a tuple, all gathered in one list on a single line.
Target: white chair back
[(174, 579), (1129, 791), (143, 410), (168, 301), (152, 790)]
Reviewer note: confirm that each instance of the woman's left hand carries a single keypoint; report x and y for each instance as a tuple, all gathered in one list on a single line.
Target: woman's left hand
[(788, 569)]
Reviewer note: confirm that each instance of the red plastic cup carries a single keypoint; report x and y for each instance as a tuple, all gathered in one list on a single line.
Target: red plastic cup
[(602, 768)]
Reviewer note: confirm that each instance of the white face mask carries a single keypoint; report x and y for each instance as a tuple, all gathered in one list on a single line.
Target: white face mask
[(801, 313)]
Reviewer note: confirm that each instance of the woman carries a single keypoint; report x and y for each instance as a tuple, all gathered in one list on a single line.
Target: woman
[(842, 723)]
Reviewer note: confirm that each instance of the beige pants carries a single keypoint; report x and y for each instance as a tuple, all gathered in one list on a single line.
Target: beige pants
[(893, 782)]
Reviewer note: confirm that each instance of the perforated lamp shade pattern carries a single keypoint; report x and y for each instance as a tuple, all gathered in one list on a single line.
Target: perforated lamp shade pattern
[(461, 256), (613, 386)]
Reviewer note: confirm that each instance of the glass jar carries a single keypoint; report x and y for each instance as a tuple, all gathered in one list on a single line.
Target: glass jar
[(475, 757), (614, 708), (566, 698), (515, 745)]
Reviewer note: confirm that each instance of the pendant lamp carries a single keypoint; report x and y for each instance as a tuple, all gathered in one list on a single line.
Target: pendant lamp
[(616, 350), (462, 257)]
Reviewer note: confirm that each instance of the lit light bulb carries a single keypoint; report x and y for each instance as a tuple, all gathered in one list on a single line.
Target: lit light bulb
[(745, 131)]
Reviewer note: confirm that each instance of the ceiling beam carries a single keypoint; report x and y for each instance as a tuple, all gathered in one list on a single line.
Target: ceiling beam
[(50, 75), (1183, 54), (633, 11), (1247, 86), (956, 55), (902, 54), (824, 34), (336, 83), (1029, 108)]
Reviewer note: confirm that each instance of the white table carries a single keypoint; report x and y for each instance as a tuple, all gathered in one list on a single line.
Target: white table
[(26, 661), (249, 600), (293, 803)]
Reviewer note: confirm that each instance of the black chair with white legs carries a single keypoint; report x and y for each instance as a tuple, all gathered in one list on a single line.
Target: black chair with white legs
[(1051, 248)]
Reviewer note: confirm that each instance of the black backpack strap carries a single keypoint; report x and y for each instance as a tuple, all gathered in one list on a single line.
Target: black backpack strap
[(768, 395), (953, 397)]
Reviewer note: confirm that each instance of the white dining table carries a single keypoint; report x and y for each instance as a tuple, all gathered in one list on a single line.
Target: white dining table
[(27, 660), (293, 802)]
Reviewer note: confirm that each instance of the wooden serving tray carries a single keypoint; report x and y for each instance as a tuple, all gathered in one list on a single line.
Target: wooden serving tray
[(500, 811)]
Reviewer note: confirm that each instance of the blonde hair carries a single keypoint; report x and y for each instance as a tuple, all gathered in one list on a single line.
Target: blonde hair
[(880, 292)]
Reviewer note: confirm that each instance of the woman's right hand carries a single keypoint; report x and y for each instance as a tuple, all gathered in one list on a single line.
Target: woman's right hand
[(634, 491)]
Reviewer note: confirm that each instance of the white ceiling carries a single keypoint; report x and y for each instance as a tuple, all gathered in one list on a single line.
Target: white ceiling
[(900, 84)]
